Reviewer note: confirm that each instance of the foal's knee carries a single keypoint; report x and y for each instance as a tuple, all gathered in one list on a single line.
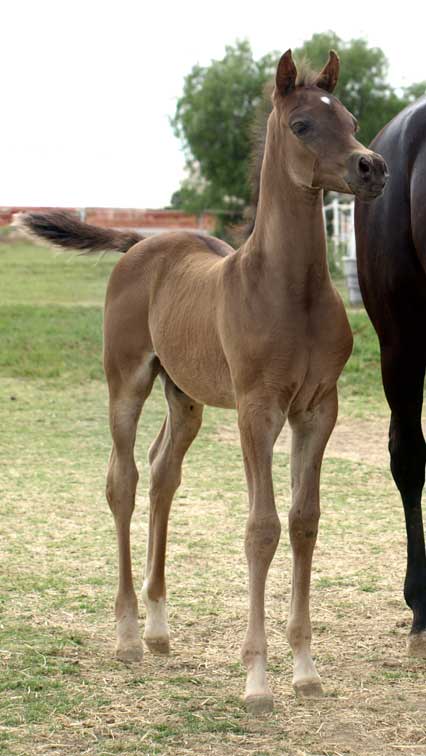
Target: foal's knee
[(262, 536), (121, 485), (303, 523)]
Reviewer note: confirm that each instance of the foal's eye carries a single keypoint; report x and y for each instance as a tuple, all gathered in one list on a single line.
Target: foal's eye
[(300, 127)]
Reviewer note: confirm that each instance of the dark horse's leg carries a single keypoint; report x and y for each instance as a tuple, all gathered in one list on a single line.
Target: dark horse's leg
[(403, 369)]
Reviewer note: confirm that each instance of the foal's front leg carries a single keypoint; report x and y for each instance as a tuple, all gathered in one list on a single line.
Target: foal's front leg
[(260, 425), (311, 431)]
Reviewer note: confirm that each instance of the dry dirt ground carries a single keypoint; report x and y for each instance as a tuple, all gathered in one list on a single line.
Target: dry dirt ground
[(63, 691)]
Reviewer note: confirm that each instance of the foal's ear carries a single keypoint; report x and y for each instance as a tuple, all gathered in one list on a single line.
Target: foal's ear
[(285, 79), (329, 75)]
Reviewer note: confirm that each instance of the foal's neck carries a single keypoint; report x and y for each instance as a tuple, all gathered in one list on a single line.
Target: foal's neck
[(289, 234)]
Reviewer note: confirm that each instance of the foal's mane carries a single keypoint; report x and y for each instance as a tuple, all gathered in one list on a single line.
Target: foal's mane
[(306, 77)]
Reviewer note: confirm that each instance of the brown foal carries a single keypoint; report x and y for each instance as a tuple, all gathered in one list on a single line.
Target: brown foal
[(261, 330)]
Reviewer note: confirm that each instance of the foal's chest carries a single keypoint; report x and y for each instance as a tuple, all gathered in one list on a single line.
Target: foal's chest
[(304, 354), (325, 351)]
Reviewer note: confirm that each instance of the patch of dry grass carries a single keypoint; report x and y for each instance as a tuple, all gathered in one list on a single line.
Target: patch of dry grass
[(63, 692)]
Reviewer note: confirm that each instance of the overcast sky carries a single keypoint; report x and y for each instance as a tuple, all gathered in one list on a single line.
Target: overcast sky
[(87, 87)]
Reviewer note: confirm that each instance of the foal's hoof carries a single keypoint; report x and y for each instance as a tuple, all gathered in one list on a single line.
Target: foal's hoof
[(262, 704), (130, 654), (158, 646), (416, 644), (308, 690)]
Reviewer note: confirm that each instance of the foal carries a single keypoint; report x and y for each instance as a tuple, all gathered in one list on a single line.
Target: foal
[(261, 330)]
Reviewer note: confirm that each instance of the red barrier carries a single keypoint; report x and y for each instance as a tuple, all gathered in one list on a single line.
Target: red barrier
[(126, 218)]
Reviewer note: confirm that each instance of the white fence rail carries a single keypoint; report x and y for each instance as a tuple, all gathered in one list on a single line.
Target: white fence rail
[(339, 222)]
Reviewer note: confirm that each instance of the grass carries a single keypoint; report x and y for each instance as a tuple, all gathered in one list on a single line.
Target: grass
[(61, 690)]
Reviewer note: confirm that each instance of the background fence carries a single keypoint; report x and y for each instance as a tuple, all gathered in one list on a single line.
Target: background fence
[(339, 221)]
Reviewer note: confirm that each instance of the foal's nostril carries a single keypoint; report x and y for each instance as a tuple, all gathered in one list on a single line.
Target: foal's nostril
[(364, 167)]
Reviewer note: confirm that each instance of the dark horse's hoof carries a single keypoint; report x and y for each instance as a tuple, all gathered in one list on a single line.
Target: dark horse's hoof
[(416, 644)]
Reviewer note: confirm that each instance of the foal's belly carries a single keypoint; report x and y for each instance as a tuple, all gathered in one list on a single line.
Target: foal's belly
[(209, 382), (204, 374), (196, 363), (207, 386)]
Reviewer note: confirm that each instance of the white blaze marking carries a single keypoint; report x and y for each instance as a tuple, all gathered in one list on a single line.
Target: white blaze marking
[(326, 100)]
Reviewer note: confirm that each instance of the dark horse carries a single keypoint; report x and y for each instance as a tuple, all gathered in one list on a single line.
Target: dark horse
[(391, 250)]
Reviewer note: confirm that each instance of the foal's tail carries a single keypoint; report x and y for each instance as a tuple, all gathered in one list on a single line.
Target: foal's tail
[(62, 229)]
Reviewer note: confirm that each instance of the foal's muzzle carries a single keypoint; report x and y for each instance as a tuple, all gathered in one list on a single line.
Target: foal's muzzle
[(367, 175)]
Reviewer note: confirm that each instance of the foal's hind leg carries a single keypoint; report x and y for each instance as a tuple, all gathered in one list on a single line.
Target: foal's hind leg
[(166, 456), (126, 401), (403, 378), (311, 431)]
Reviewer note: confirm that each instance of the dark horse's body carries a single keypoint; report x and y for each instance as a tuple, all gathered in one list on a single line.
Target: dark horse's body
[(391, 250)]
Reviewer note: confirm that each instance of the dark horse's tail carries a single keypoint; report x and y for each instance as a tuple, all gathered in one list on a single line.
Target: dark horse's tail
[(64, 230)]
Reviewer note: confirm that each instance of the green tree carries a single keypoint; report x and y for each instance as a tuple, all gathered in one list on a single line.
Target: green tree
[(414, 91), (214, 120)]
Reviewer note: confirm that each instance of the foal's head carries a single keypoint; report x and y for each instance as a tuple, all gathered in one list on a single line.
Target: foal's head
[(321, 150)]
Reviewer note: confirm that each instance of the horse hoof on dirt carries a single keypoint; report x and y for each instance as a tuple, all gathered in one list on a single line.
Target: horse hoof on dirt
[(416, 644), (158, 646), (262, 704), (309, 690), (130, 654)]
